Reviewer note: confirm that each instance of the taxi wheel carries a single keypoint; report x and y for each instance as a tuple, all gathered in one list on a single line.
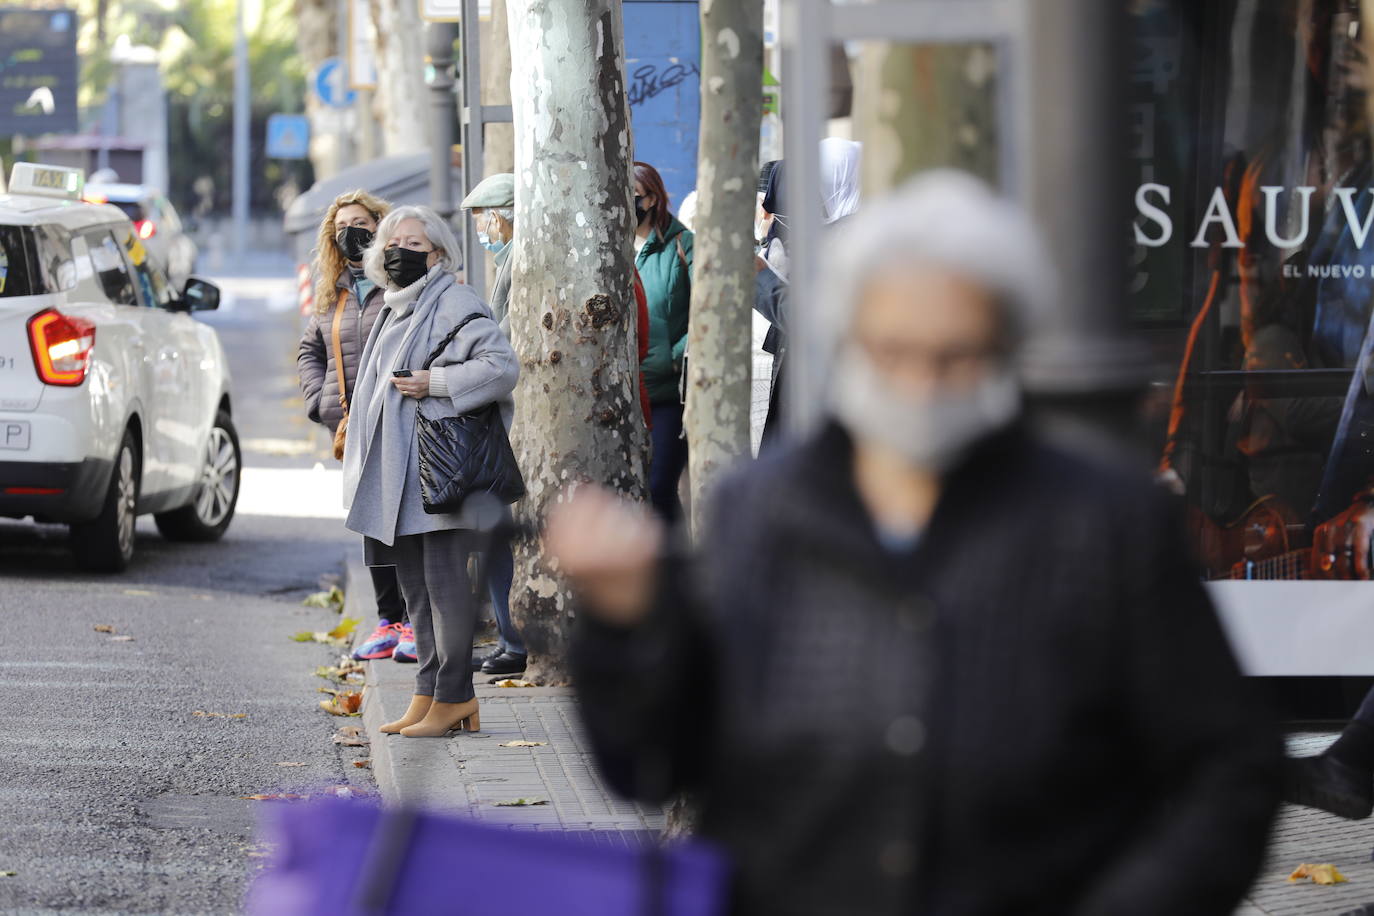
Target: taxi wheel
[(107, 543), (217, 494)]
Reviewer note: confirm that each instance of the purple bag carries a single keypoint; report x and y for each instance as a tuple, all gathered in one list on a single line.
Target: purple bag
[(340, 858)]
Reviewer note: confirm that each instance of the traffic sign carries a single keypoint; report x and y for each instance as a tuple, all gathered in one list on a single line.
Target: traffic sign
[(288, 136), (38, 71), (362, 46), (331, 84)]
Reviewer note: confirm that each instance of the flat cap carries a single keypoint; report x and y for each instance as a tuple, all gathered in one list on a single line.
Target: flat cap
[(493, 191)]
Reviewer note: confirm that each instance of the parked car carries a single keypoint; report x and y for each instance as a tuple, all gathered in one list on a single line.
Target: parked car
[(156, 221), (114, 400)]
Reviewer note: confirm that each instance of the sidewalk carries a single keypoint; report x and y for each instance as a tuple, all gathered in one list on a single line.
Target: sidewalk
[(1307, 835), (470, 773)]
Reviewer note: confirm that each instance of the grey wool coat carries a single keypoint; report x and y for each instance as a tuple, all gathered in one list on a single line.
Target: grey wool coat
[(381, 470)]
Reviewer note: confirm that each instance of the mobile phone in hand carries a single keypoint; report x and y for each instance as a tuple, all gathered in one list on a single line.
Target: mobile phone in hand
[(402, 373)]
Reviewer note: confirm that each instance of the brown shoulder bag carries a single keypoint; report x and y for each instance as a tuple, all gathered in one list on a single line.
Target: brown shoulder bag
[(340, 434)]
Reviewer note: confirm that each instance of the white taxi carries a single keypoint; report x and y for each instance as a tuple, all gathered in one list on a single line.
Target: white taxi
[(114, 401)]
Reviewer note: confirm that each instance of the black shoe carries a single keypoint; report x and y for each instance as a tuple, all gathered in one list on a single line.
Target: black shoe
[(478, 661), (504, 663), (1326, 783)]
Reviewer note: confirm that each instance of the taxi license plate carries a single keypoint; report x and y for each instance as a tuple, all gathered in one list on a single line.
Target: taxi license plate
[(14, 435)]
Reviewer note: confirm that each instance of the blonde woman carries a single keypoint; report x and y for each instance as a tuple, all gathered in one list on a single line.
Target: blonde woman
[(346, 300), (414, 257)]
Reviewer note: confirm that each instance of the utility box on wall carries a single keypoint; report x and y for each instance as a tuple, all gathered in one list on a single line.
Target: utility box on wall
[(663, 81)]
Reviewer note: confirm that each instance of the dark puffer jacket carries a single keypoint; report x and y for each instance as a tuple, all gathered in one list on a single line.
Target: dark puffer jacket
[(1032, 712), (315, 359)]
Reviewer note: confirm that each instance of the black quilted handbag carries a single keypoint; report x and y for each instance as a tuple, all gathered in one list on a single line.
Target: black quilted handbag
[(467, 454)]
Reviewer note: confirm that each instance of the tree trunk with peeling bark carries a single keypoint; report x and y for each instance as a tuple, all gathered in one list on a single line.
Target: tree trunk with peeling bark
[(925, 106), (402, 98), (577, 412), (316, 40), (719, 367)]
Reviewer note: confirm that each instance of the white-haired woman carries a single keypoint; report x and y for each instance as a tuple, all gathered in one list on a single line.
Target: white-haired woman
[(413, 258)]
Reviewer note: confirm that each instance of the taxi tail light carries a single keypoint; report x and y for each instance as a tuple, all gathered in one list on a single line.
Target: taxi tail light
[(61, 346), (146, 229)]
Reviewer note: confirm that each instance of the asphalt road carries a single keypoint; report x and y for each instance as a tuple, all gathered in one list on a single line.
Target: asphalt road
[(116, 797)]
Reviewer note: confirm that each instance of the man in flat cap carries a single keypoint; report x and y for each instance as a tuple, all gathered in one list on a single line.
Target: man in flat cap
[(492, 204)]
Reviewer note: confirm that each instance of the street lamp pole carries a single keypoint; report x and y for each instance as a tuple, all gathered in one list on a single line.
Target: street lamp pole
[(241, 121), (440, 40)]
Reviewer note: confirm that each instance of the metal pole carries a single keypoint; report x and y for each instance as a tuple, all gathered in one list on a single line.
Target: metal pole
[(440, 35), (806, 26), (1084, 362), (473, 116), (242, 113)]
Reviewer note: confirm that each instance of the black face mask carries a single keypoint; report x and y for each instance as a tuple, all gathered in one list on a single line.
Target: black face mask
[(404, 266), (640, 211), (353, 241)]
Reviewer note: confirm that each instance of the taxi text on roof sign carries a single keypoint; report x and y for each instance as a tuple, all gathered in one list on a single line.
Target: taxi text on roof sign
[(46, 180)]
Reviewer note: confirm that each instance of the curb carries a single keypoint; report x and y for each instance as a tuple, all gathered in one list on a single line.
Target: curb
[(360, 601)]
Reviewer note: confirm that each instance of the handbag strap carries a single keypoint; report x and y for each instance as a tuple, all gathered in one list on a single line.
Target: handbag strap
[(343, 298), (448, 338)]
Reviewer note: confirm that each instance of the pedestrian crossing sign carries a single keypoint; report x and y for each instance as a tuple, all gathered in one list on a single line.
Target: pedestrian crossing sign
[(288, 136)]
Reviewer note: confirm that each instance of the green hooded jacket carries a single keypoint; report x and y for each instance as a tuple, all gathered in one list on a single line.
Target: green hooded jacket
[(665, 268)]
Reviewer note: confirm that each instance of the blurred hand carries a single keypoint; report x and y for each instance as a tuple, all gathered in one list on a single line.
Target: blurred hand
[(1340, 547), (608, 548), (416, 386)]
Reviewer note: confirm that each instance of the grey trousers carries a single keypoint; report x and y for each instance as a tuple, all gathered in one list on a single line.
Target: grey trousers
[(433, 571)]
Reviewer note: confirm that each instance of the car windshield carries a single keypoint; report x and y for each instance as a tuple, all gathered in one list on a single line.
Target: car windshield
[(16, 278)]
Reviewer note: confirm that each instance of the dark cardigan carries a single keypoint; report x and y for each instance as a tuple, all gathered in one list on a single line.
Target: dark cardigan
[(1035, 711)]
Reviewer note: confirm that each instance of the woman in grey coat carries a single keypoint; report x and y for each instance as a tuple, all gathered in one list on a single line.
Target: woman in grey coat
[(413, 257)]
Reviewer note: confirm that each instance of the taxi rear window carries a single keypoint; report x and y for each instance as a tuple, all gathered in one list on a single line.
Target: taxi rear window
[(17, 277)]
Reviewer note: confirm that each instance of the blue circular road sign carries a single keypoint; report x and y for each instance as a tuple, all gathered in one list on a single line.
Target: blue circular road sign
[(331, 84)]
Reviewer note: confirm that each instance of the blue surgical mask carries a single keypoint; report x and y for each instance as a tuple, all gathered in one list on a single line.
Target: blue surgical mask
[(489, 243)]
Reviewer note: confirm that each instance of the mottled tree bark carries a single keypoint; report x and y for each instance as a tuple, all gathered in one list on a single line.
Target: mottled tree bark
[(316, 39), (577, 413), (402, 98), (925, 106), (719, 367)]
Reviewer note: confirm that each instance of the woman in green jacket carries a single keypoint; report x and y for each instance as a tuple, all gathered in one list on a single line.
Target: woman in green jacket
[(663, 255)]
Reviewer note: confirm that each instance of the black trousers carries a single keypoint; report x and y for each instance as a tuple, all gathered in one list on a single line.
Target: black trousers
[(391, 605)]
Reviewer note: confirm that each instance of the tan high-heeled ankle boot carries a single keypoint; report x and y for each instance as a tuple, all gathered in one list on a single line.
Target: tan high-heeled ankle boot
[(443, 718), (415, 712)]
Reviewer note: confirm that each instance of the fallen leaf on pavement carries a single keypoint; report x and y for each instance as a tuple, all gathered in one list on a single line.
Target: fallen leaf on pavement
[(121, 639), (345, 628), (104, 628), (8, 874), (1318, 874), (290, 763), (525, 744), (137, 593), (202, 714), (333, 599), (305, 636), (522, 802), (351, 741), (285, 795), (362, 764), (512, 682), (346, 703)]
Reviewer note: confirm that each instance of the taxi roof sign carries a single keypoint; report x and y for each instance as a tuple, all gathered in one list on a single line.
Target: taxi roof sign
[(46, 180)]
